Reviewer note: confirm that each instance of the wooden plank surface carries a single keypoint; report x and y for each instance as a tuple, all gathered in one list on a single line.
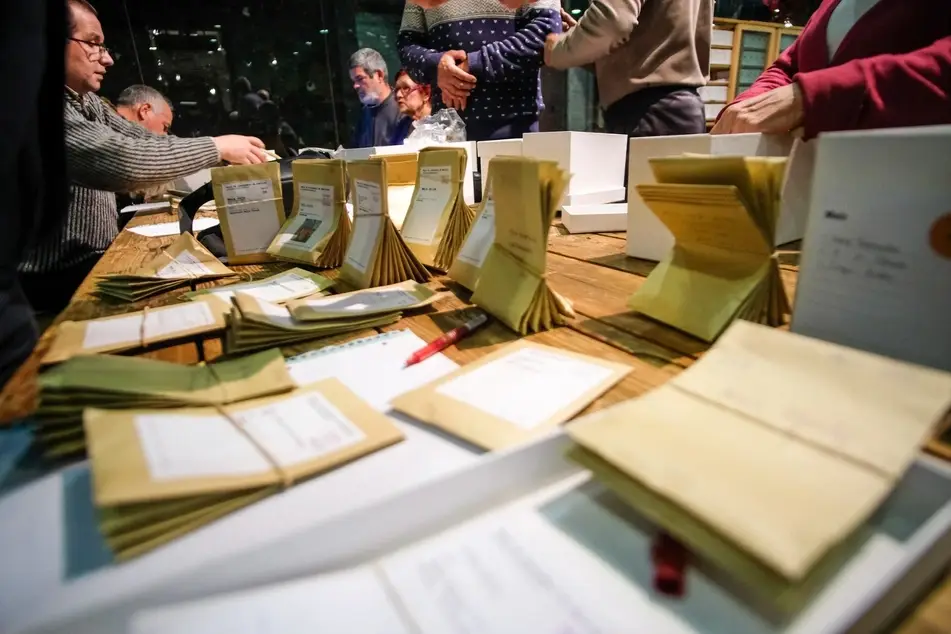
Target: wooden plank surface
[(591, 270)]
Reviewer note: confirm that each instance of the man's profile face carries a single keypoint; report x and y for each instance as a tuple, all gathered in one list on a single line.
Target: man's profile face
[(86, 62), (154, 119), (368, 86)]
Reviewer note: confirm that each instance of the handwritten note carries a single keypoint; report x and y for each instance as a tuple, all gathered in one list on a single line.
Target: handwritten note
[(528, 387), (253, 218), (432, 197)]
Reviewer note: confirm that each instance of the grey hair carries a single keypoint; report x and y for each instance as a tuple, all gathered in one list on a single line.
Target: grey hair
[(370, 61), (134, 95)]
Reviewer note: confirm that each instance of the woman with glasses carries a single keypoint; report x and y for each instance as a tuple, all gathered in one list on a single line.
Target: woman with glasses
[(415, 102)]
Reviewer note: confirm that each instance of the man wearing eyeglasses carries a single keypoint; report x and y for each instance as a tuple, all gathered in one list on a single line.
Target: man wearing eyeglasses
[(106, 154)]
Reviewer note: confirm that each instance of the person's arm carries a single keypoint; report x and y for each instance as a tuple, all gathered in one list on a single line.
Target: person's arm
[(780, 74), (605, 25), (417, 58), (101, 158), (525, 50), (883, 91)]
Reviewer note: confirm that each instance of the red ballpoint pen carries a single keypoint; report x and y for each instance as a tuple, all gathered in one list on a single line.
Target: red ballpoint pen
[(448, 339)]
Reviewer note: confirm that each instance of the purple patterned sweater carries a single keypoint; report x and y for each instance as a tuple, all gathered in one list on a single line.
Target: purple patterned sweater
[(505, 47)]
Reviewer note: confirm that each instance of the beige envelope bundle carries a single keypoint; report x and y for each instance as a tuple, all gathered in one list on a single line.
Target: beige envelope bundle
[(400, 184), (114, 382), (723, 212), (318, 231), (250, 209), (377, 254), (467, 267), (277, 289), (513, 395), (513, 285), (155, 479), (138, 330), (184, 262), (438, 218), (767, 456), (255, 324)]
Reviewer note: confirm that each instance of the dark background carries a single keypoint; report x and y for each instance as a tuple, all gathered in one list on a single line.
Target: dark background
[(192, 50)]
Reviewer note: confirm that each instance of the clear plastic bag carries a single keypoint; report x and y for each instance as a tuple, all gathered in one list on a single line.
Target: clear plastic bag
[(444, 126)]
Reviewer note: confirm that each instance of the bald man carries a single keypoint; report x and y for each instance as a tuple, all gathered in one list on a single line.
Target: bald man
[(147, 107)]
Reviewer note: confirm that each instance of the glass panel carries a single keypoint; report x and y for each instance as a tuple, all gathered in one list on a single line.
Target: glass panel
[(786, 40)]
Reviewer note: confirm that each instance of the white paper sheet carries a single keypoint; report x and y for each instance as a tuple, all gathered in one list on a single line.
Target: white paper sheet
[(172, 228), (278, 314), (180, 447), (158, 323), (253, 219), (481, 236), (366, 233), (280, 289), (369, 199), (374, 368), (432, 196), (527, 387), (299, 429), (184, 265), (512, 574), (398, 200), (352, 601), (369, 300), (146, 208)]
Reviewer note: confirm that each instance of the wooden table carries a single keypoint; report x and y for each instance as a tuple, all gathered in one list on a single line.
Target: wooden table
[(591, 270)]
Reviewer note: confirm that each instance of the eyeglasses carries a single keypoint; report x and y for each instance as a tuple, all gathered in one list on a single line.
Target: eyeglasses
[(98, 50), (406, 90)]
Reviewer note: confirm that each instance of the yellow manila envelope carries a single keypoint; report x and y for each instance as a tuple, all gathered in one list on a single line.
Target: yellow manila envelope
[(515, 394), (183, 261), (140, 329), (153, 478), (722, 211), (513, 285), (438, 218), (318, 231), (250, 209), (475, 249), (400, 184), (769, 453), (377, 254)]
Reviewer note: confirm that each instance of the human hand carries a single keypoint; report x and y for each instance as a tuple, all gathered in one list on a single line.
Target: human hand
[(241, 150), (550, 42), (777, 111), (453, 79), (567, 21)]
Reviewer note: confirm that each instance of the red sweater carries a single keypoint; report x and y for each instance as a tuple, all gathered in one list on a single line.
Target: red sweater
[(893, 68)]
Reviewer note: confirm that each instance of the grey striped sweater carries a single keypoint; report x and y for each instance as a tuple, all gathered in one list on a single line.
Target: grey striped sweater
[(106, 154)]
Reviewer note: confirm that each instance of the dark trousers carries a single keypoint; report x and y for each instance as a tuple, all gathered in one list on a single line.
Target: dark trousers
[(51, 292), (18, 330), (657, 111), (494, 130)]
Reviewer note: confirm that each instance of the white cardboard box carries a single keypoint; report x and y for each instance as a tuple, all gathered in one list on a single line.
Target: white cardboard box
[(647, 237), (488, 150), (594, 218), (876, 262), (595, 161)]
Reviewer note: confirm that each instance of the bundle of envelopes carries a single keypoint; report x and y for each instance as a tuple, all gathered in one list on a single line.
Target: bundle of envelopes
[(154, 478), (110, 382), (400, 183), (256, 324), (283, 287), (250, 209), (438, 218), (767, 456), (513, 284), (467, 267), (318, 231), (185, 261), (377, 254), (138, 330), (723, 212)]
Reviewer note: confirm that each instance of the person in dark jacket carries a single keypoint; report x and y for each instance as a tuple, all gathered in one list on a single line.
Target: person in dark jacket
[(32, 157), (380, 115)]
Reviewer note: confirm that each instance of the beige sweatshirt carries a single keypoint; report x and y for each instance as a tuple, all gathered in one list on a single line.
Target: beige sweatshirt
[(636, 44)]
